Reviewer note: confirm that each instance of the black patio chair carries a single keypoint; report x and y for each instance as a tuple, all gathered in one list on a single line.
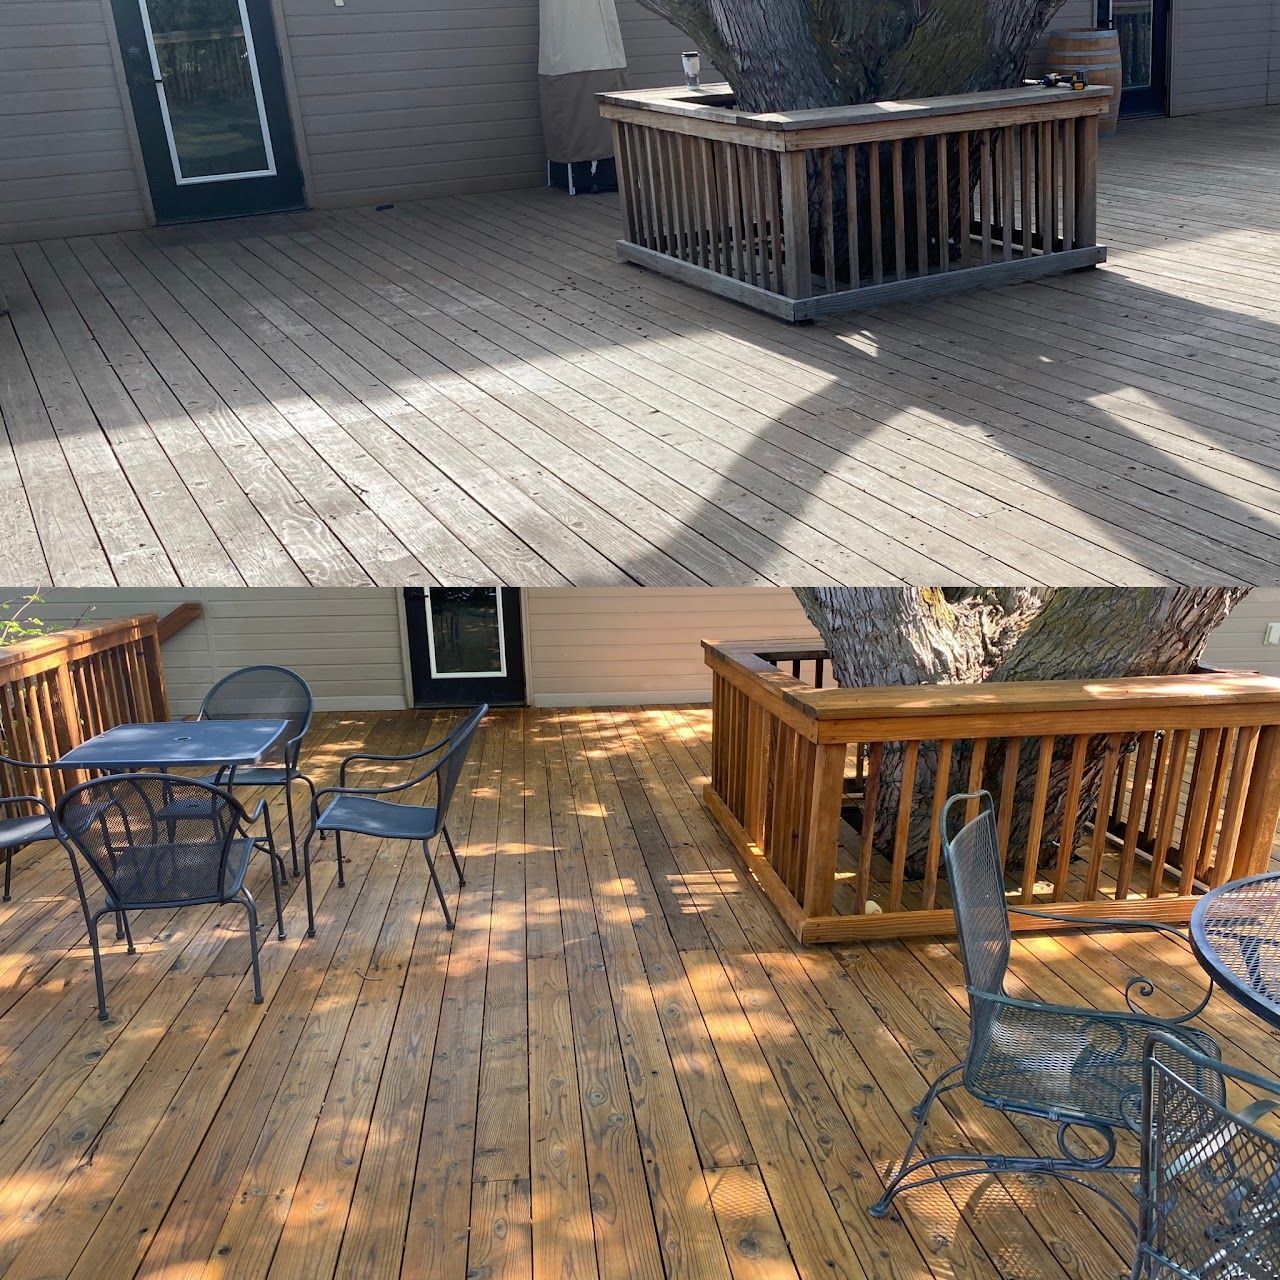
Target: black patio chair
[(362, 811), (19, 829), (1209, 1190), (154, 840), (266, 693), (1078, 1068)]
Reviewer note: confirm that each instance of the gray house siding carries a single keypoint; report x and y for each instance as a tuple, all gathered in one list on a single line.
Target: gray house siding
[(66, 160), (1222, 51)]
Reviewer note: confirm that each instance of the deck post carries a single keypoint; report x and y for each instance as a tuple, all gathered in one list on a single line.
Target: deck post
[(796, 269)]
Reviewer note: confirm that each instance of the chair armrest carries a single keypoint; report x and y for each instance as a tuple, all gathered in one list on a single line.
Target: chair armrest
[(1101, 922), (362, 757), (39, 801), (390, 788)]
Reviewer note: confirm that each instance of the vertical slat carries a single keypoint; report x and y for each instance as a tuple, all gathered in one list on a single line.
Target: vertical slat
[(711, 219), (821, 836), (756, 765), (1133, 818), (652, 208), (1028, 184), (1070, 816), (734, 263), (1153, 792), (1262, 806), (1008, 790), (1042, 188), (803, 794), (941, 787), (1006, 194), (1098, 842), (1055, 171), (760, 231), (1068, 184), (899, 213), (876, 196), (1170, 794), (746, 236), (680, 195), (623, 166), (795, 224), (1035, 825), (977, 763), (965, 145), (1221, 768), (870, 800), (1087, 181), (1202, 769), (984, 193), (944, 204), (851, 214), (1224, 867), (828, 221), (922, 209), (771, 161), (902, 832)]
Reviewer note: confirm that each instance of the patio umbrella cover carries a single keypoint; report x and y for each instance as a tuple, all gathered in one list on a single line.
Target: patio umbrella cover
[(580, 55)]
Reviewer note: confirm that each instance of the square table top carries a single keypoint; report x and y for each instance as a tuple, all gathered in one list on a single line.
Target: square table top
[(177, 744)]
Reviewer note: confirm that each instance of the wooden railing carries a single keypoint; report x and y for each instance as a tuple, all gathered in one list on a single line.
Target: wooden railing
[(58, 690), (809, 213), (1158, 788)]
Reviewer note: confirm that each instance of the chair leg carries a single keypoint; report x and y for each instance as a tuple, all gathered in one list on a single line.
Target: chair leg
[(453, 853), (123, 931), (921, 1113), (306, 882), (342, 876), (91, 923), (293, 830), (251, 911), (435, 879), (315, 808), (277, 875), (8, 872)]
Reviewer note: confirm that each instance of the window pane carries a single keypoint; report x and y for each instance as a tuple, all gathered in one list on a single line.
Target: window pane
[(465, 630), (1135, 27), (208, 86)]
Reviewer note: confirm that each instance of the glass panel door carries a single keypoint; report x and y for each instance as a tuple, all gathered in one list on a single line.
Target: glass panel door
[(1142, 27), (466, 645)]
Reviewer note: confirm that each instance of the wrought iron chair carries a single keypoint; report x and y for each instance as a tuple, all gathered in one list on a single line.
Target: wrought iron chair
[(266, 693), (1209, 1190), (154, 840), (1078, 1068), (18, 829), (362, 811)]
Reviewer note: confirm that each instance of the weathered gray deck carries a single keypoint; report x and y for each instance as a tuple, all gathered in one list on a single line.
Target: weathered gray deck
[(474, 389)]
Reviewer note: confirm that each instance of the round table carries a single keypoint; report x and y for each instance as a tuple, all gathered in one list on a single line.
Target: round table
[(1235, 931)]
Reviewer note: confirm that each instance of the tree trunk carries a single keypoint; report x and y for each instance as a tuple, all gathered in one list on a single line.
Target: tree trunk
[(890, 636)]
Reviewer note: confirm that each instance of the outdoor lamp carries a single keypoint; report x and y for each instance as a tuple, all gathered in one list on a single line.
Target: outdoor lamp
[(691, 63)]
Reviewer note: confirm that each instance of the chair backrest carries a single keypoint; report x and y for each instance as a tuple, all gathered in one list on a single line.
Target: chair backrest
[(153, 838), (264, 693), (975, 873), (1209, 1189), (449, 768)]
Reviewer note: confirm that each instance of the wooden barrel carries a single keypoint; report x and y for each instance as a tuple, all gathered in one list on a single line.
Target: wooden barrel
[(1097, 54)]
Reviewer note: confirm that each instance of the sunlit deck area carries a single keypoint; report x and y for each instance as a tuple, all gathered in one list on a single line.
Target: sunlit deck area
[(474, 389), (619, 1065)]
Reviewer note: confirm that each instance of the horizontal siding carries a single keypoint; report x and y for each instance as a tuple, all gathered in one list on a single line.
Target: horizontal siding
[(345, 643), (66, 167), (1221, 54), (404, 99), (603, 646), (1239, 641)]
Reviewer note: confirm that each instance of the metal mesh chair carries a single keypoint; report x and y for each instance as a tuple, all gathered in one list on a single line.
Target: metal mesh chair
[(1079, 1068), (266, 693), (154, 840), (24, 818), (362, 811), (1209, 1190)]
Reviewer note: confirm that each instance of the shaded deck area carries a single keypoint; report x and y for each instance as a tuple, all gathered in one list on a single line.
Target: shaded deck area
[(618, 1066), (475, 390)]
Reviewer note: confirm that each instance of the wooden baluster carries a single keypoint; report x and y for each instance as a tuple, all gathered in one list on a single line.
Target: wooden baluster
[(871, 798), (1006, 194), (902, 831), (876, 197), (746, 238), (1098, 842), (802, 790), (1208, 841), (1008, 790), (944, 204), (654, 209), (736, 257), (1168, 816), (666, 194), (1153, 798), (1055, 171), (1070, 816), (922, 209), (1035, 827), (977, 763), (1133, 819), (1208, 742), (712, 205), (828, 217), (680, 197), (851, 214), (626, 191), (899, 214), (760, 231), (1068, 185), (795, 224), (941, 789), (1028, 184), (1119, 793), (984, 193), (822, 834), (1227, 861), (1262, 806), (966, 196), (755, 784), (772, 186), (1043, 201)]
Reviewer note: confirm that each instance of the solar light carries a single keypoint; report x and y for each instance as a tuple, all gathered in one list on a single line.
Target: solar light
[(692, 64)]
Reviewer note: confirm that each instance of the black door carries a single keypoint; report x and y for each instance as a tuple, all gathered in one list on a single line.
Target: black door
[(208, 96), (1143, 28), (466, 646)]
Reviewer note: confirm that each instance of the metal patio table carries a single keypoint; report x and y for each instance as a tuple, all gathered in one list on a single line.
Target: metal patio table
[(1235, 932), (177, 744)]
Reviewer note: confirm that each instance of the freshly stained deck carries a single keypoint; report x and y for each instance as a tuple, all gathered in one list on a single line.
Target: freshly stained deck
[(618, 1065), (475, 390)]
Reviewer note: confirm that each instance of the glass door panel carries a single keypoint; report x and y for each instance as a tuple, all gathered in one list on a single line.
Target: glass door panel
[(466, 645)]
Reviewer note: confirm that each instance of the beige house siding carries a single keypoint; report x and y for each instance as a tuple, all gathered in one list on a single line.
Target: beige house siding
[(346, 643), (1222, 53), (1239, 642), (633, 645), (66, 160)]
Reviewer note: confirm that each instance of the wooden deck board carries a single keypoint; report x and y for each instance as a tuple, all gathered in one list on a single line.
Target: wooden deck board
[(618, 1065), (474, 389)]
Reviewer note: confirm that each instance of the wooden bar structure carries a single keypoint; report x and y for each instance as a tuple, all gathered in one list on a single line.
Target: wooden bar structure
[(771, 217), (1184, 793), (58, 690)]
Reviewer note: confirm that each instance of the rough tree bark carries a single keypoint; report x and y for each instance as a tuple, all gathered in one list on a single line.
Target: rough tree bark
[(886, 636)]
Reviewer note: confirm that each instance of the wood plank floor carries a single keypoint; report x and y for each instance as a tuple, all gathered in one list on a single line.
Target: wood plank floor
[(473, 389), (617, 1066)]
